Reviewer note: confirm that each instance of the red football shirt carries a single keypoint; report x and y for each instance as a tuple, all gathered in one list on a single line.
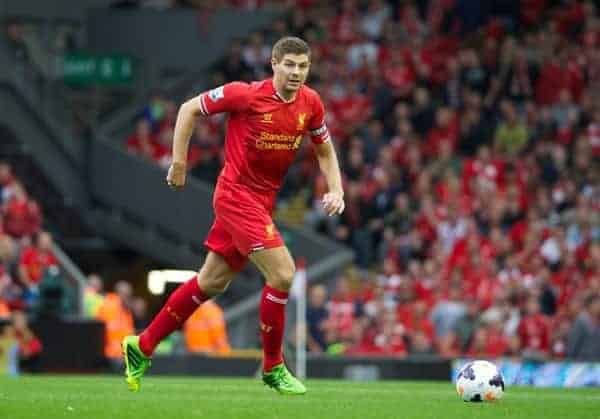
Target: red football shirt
[(36, 262), (264, 131), (534, 332)]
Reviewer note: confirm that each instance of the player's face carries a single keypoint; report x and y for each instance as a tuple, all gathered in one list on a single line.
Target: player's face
[(291, 72)]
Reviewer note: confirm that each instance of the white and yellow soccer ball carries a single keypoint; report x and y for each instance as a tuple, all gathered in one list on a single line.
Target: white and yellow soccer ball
[(480, 381)]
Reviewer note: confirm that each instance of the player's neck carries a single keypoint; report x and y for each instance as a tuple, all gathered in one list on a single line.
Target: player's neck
[(285, 95), (288, 96)]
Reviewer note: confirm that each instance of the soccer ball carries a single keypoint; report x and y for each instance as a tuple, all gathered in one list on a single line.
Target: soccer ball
[(480, 381)]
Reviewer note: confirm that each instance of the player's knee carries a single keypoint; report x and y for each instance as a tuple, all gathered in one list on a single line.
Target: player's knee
[(221, 285), (214, 285), (284, 276)]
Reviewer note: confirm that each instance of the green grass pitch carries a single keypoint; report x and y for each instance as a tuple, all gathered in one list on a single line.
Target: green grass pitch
[(89, 397)]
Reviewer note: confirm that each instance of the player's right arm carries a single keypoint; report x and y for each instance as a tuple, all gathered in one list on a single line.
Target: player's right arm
[(231, 97), (184, 126)]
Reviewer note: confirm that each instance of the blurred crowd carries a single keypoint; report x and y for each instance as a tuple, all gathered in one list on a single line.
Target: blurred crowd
[(30, 276), (29, 270), (469, 138), (208, 6)]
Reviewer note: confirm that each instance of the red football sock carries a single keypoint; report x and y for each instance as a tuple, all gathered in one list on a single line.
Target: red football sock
[(272, 323), (180, 305)]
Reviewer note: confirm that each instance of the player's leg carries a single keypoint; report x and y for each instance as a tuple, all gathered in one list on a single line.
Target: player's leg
[(246, 218), (278, 268), (213, 278)]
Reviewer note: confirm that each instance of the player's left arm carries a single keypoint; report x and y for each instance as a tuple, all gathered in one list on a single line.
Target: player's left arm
[(333, 201)]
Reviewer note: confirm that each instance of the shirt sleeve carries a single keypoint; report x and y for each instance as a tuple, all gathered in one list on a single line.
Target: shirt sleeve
[(317, 127), (230, 97)]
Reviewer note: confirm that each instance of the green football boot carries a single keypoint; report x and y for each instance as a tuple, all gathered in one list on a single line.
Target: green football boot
[(136, 363), (280, 379)]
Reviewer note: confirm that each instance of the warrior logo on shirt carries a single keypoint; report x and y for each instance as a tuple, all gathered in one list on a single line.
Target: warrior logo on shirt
[(216, 94), (267, 118), (301, 118)]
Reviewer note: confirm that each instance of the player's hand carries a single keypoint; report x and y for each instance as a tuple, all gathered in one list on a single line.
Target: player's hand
[(176, 175), (333, 203)]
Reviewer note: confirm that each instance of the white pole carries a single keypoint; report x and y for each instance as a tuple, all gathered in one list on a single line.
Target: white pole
[(300, 294)]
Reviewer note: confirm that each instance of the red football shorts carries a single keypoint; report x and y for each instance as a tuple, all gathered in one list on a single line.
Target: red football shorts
[(242, 225)]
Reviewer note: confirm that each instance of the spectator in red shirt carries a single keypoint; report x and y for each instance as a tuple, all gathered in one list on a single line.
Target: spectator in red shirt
[(398, 74), (520, 229), (344, 25), (557, 74), (497, 342), (351, 108), (419, 323), (22, 216), (534, 331), (343, 310), (36, 259), (391, 334), (445, 130), (144, 143), (411, 21), (531, 11), (569, 16), (484, 170)]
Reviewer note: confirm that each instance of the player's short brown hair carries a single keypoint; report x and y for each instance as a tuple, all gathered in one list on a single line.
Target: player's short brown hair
[(290, 45)]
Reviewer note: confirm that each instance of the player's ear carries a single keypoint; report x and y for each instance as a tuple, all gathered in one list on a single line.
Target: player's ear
[(273, 63)]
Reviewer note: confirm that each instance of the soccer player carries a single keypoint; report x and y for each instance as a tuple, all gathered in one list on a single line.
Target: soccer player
[(267, 122)]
